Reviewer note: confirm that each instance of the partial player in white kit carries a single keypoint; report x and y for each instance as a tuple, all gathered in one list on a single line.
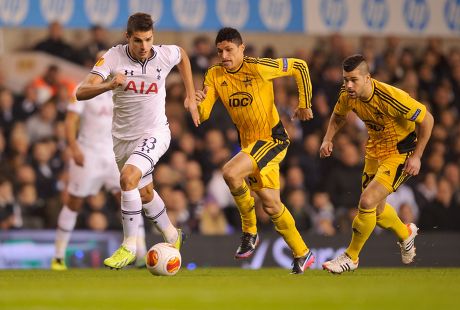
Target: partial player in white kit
[(91, 167), (136, 74)]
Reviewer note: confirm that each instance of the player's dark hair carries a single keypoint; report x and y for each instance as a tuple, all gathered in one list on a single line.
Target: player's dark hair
[(139, 22), (229, 34), (352, 62)]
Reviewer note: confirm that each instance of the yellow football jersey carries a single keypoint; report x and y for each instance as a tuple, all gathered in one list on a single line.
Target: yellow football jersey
[(390, 115), (247, 94)]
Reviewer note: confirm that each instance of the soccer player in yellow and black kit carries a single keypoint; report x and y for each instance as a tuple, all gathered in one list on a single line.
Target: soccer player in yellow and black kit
[(244, 85), (393, 154)]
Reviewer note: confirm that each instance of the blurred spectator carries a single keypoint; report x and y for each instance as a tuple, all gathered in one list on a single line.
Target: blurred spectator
[(19, 146), (41, 125), (97, 43), (55, 45), (7, 204), (443, 213), (425, 191), (193, 170), (212, 219), (297, 203), (195, 192), (218, 190), (32, 208), (48, 84), (46, 175), (452, 175), (27, 104), (202, 53), (310, 162), (343, 183), (176, 206), (323, 214), (406, 213), (7, 115), (97, 221), (404, 196)]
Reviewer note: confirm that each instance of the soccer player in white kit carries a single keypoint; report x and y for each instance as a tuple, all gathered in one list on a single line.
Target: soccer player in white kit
[(91, 167), (136, 74)]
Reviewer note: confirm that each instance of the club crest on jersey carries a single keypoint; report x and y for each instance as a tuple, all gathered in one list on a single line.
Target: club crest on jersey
[(141, 88), (374, 126), (247, 81), (239, 99), (159, 73)]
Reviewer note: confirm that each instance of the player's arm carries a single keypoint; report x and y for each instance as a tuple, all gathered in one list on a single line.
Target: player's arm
[(298, 68), (335, 123), (413, 163), (403, 105), (72, 121), (206, 98), (185, 70), (94, 85)]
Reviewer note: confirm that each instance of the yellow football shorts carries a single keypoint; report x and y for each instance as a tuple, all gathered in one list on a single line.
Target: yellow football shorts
[(388, 172), (266, 156)]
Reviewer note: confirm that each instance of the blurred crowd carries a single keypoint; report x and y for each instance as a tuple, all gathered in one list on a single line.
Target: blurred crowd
[(321, 194)]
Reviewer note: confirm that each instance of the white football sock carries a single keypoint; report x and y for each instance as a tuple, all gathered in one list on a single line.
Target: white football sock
[(155, 211), (141, 248), (66, 223), (131, 207)]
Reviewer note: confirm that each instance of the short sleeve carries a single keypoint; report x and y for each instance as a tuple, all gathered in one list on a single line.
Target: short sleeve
[(174, 55), (342, 107), (407, 107), (104, 65)]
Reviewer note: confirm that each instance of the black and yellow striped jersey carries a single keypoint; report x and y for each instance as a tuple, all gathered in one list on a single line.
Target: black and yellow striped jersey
[(247, 94), (390, 115)]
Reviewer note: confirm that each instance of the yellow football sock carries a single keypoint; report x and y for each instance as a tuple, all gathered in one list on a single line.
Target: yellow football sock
[(389, 219), (363, 225), (285, 226), (245, 203)]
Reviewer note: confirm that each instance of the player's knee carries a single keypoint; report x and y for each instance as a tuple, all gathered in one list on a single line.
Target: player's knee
[(272, 207), (128, 181), (366, 202), (229, 175), (75, 203)]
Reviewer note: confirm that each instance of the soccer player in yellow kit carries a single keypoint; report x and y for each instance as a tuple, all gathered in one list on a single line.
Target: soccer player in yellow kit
[(244, 85), (393, 154)]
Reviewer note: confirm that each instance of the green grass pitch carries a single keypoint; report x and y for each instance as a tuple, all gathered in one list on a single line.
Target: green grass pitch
[(231, 288)]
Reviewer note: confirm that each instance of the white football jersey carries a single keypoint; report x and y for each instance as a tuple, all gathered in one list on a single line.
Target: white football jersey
[(95, 122), (139, 105)]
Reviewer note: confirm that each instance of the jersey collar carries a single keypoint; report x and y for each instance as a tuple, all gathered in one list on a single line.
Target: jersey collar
[(154, 54), (236, 71)]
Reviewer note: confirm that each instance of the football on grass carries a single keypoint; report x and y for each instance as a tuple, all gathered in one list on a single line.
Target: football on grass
[(163, 259)]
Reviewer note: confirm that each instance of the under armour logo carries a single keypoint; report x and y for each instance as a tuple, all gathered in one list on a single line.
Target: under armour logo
[(129, 71)]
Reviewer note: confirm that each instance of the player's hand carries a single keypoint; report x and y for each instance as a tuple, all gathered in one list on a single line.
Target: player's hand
[(326, 149), (200, 95), (190, 105), (303, 114), (118, 80), (77, 155), (412, 165)]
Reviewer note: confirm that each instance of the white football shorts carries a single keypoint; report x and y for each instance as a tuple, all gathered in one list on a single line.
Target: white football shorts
[(98, 170), (143, 153)]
